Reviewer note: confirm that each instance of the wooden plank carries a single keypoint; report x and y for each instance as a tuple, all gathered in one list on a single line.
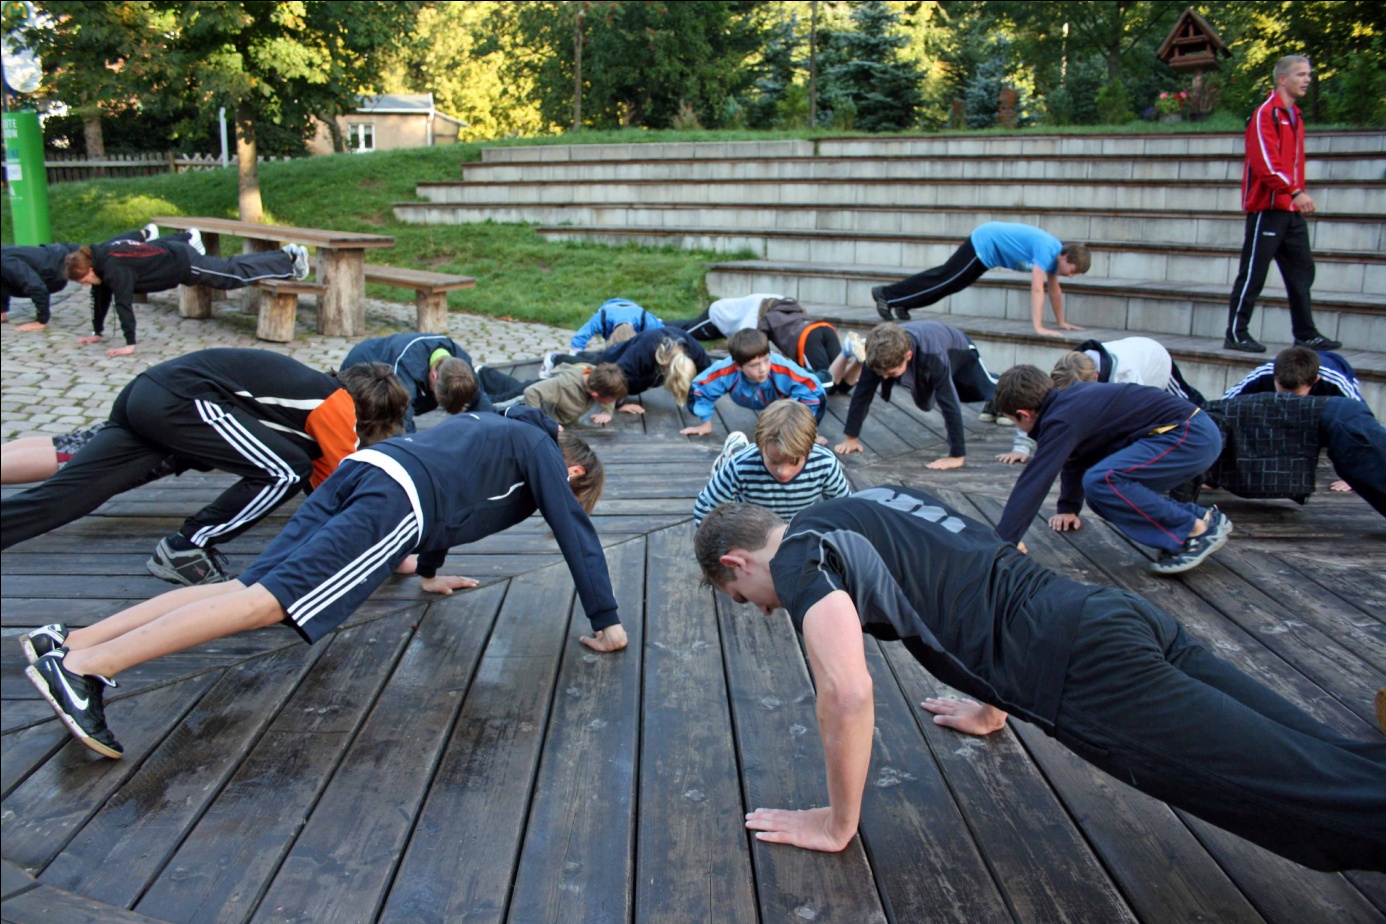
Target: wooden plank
[(341, 864), (247, 229), (1135, 834), (24, 752), (923, 854), (417, 279), (227, 858), (693, 862), (775, 720), (579, 843), (1364, 587), (149, 815), (1040, 860), (47, 905), (455, 867), (14, 880), (50, 807)]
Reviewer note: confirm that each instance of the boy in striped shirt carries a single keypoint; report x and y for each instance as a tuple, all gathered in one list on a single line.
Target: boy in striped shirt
[(786, 470)]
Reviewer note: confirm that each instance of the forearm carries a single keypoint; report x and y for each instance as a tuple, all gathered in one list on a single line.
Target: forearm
[(846, 721), (1037, 305), (1056, 298)]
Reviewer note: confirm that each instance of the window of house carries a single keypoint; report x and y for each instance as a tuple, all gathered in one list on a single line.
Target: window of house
[(360, 136)]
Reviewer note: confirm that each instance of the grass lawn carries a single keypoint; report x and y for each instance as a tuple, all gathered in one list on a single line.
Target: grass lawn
[(518, 273)]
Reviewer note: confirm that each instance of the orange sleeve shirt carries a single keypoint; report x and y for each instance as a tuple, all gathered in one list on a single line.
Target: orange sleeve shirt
[(333, 426)]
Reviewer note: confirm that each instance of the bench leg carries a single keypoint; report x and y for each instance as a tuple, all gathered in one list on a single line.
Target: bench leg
[(342, 306), (253, 298), (194, 302), (432, 311), (277, 316)]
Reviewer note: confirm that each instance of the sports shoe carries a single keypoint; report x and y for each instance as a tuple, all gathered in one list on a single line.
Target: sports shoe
[(882, 308), (76, 698), (1196, 548), (1319, 342), (42, 640), (1242, 343), (195, 241), (546, 367), (300, 256), (189, 567), (989, 415), (151, 231), (854, 346), (734, 443)]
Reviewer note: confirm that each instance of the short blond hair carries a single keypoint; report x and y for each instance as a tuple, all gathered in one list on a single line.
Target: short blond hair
[(620, 334), (1287, 64), (1073, 367), (789, 427), (887, 346)]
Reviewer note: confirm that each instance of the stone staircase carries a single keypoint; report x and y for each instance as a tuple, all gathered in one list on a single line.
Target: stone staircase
[(826, 220)]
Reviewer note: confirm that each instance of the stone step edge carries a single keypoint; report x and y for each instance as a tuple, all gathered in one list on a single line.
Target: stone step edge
[(1369, 364), (1354, 302), (1157, 247), (903, 158), (1356, 217), (893, 181)]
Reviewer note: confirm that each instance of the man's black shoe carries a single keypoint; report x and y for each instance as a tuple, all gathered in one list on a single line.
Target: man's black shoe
[(42, 640), (882, 308), (189, 567), (76, 698), (1319, 342), (1242, 343)]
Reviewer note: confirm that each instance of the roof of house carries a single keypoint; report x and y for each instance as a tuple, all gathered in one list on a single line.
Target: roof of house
[(403, 104)]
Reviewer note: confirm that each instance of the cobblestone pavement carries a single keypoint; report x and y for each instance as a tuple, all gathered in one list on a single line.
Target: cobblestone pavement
[(51, 384)]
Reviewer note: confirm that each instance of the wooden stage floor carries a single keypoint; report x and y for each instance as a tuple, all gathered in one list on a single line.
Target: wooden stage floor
[(464, 759)]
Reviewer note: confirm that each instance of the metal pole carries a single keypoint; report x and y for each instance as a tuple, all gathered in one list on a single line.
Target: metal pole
[(225, 157)]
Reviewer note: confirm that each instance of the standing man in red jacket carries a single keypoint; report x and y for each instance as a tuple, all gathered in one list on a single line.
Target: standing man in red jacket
[(1275, 203)]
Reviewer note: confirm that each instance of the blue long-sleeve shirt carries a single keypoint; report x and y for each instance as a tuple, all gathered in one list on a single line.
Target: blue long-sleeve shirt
[(613, 312), (478, 474), (1074, 430), (786, 380), (411, 358)]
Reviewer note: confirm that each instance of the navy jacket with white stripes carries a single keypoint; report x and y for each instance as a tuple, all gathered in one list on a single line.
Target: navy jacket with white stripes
[(477, 474)]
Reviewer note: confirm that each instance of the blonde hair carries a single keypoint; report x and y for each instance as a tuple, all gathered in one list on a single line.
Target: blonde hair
[(679, 370), (789, 427), (620, 334), (1285, 65), (1073, 367)]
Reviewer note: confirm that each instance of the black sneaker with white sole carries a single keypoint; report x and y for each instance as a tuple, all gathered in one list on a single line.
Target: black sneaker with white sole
[(882, 306), (77, 699), (42, 640), (1196, 548), (189, 567)]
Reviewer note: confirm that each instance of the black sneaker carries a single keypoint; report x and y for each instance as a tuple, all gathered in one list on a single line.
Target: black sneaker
[(189, 567), (76, 698), (882, 308), (1242, 343), (1196, 548), (1319, 342), (42, 640)]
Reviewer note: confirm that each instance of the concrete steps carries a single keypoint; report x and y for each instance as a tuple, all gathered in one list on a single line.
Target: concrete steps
[(1223, 168), (1156, 309), (1365, 233), (1356, 272), (1352, 197)]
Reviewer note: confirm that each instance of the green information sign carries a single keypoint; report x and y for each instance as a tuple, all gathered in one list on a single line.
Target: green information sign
[(26, 178)]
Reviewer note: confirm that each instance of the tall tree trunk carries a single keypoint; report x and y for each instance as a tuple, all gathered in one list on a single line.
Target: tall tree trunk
[(95, 140), (247, 170)]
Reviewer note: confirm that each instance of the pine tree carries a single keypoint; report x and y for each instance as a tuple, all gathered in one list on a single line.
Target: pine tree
[(883, 91)]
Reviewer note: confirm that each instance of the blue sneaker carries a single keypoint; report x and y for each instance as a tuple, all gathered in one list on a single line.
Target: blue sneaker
[(1196, 548)]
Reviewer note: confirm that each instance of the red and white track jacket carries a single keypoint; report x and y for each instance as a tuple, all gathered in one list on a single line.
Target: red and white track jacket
[(1274, 170)]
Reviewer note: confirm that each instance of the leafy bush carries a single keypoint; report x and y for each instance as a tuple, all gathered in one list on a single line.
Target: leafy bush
[(1114, 104)]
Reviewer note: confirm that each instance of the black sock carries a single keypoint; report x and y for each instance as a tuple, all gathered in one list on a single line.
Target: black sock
[(180, 543)]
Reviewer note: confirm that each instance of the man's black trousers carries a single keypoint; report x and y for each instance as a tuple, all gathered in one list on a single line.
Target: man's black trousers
[(963, 268), (149, 424), (1283, 237)]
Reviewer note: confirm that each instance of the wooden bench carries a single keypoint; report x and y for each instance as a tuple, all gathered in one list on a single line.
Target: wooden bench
[(430, 292), (280, 308), (340, 259)]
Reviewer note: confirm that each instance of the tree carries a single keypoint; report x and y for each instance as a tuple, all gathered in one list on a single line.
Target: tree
[(869, 71), (1109, 30), (282, 62), (641, 60)]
